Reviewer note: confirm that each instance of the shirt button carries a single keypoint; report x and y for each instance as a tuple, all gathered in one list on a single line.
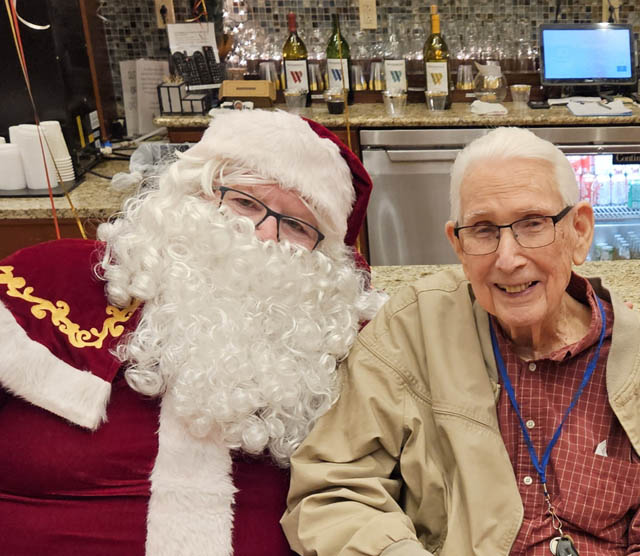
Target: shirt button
[(532, 366), (530, 423), (527, 480)]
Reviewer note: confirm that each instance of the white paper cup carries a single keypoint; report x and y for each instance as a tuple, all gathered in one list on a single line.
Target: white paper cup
[(2, 140), (13, 133), (55, 139), (65, 168), (11, 171), (27, 137)]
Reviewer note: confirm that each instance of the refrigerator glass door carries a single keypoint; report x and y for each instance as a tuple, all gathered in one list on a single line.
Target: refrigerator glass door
[(611, 183)]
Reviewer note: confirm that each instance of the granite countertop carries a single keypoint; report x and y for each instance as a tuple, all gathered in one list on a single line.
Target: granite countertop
[(92, 198), (623, 277), (417, 115)]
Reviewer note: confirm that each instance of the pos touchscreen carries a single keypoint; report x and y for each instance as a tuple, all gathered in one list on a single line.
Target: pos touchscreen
[(587, 54)]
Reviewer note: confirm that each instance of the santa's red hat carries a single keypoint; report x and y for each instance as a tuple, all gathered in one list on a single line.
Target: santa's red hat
[(298, 154)]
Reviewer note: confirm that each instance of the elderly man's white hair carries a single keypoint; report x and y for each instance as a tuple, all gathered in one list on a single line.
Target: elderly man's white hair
[(507, 143)]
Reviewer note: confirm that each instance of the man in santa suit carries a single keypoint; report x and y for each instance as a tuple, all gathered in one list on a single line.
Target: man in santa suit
[(153, 384)]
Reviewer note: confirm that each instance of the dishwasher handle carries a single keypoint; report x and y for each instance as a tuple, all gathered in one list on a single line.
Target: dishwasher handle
[(430, 155), (598, 149)]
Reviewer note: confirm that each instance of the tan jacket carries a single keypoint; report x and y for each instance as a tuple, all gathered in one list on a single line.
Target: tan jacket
[(410, 461)]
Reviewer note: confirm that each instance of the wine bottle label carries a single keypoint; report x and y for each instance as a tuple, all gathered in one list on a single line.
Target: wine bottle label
[(297, 75), (437, 78), (338, 73), (395, 74)]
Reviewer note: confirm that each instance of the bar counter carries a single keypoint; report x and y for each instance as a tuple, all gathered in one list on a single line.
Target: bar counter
[(93, 198), (417, 115)]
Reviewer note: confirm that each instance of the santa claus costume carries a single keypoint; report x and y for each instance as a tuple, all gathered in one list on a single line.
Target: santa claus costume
[(90, 465)]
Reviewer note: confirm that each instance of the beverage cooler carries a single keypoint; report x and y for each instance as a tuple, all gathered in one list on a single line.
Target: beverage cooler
[(611, 183)]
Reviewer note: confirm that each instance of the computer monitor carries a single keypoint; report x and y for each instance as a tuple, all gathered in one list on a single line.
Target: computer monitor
[(593, 54)]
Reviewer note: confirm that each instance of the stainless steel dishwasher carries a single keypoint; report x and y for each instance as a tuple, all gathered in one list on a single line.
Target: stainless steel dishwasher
[(410, 200), (409, 204)]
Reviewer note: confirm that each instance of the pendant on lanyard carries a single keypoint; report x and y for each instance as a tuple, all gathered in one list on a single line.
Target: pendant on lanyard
[(561, 545)]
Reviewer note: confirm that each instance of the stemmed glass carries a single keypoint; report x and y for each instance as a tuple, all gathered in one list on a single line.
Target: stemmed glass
[(416, 36)]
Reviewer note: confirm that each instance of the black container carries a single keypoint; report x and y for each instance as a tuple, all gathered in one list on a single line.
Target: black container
[(335, 106)]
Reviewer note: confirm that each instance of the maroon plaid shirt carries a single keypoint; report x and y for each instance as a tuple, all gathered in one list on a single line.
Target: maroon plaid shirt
[(593, 474)]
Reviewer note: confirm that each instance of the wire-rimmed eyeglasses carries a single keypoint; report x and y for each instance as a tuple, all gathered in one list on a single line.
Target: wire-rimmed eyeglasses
[(293, 229), (531, 232)]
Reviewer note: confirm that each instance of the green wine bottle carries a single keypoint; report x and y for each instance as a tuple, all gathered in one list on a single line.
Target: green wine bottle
[(436, 57), (339, 61), (294, 55)]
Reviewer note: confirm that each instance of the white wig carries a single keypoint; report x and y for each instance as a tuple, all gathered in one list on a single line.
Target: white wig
[(245, 335), (505, 143)]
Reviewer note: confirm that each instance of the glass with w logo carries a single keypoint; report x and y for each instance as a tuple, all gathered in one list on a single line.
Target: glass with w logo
[(317, 62), (289, 228), (395, 65)]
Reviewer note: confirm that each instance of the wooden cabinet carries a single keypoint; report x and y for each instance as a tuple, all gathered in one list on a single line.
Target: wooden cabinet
[(16, 233), (341, 133), (185, 134)]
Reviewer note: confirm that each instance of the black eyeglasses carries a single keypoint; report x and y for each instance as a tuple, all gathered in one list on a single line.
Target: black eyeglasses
[(288, 227), (531, 232)]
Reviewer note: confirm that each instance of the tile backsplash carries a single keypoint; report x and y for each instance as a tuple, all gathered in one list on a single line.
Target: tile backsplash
[(131, 30)]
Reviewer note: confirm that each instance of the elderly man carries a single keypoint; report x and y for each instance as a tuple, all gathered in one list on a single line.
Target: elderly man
[(490, 411), (154, 385)]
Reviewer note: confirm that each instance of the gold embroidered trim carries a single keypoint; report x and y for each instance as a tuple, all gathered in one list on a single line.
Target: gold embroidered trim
[(60, 311)]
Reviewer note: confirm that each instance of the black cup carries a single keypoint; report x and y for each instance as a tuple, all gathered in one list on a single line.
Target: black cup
[(335, 106)]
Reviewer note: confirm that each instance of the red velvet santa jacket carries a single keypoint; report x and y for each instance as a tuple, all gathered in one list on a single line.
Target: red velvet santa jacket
[(89, 466)]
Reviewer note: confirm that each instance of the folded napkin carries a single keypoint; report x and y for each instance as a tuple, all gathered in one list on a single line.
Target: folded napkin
[(615, 108), (490, 108)]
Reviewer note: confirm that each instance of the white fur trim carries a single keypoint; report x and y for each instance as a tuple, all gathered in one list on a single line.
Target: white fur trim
[(190, 510), (29, 370), (283, 146)]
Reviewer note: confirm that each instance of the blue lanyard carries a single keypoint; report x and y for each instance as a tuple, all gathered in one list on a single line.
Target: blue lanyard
[(541, 466)]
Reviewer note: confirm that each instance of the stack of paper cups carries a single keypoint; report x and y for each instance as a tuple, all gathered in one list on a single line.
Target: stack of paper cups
[(28, 137), (59, 150), (11, 172)]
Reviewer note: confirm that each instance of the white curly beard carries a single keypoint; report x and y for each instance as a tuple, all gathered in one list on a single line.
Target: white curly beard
[(244, 334)]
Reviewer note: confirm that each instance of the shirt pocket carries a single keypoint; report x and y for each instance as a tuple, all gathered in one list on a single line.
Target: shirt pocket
[(596, 492)]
